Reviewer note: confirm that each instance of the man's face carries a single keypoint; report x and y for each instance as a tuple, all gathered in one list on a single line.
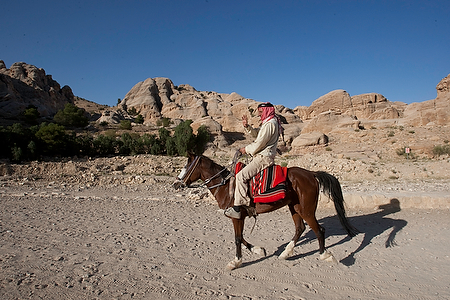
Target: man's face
[(260, 111)]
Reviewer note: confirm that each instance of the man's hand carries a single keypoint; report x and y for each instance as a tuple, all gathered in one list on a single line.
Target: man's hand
[(245, 121), (242, 150)]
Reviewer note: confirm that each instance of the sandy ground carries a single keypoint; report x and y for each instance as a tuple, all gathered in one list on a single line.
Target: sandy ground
[(148, 241)]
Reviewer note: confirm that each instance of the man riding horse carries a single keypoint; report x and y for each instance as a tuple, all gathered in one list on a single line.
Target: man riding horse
[(263, 151)]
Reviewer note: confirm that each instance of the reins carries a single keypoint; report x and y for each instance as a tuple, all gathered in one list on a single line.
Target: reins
[(231, 173), (191, 168)]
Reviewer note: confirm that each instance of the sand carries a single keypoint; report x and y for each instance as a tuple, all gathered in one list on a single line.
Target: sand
[(148, 241)]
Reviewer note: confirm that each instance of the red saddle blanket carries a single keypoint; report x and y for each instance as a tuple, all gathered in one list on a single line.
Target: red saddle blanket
[(269, 185)]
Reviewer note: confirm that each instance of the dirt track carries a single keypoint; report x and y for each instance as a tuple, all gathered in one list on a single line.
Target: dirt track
[(147, 241)]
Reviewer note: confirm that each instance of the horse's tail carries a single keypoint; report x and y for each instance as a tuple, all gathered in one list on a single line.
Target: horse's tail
[(331, 186)]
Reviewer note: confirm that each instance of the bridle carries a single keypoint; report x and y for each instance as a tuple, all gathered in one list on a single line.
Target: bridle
[(193, 165), (189, 170)]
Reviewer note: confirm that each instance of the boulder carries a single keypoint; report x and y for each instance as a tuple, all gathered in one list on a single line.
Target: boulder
[(113, 116), (329, 121), (213, 126), (309, 139)]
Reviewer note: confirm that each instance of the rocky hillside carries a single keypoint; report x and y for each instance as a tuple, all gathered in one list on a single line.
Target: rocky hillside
[(368, 119), (338, 122)]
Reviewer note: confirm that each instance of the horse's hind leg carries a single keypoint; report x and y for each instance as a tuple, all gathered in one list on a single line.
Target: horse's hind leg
[(299, 229), (318, 230), (320, 234)]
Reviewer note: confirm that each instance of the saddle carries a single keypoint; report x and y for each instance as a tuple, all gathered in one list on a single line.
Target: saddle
[(269, 185)]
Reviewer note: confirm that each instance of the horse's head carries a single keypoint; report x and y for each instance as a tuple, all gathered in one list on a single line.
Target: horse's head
[(189, 173)]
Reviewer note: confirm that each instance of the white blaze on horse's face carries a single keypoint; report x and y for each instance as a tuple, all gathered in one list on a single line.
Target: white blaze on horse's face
[(182, 174)]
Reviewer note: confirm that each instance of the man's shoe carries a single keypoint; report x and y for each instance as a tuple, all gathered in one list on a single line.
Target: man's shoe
[(232, 212)]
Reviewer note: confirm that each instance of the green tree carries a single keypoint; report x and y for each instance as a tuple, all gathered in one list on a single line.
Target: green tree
[(148, 141), (164, 135), (130, 144), (201, 140), (71, 116), (171, 147), (53, 137), (85, 145), (105, 145), (32, 150), (31, 115), (184, 137)]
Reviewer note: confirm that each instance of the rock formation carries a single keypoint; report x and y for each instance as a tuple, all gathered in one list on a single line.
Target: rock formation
[(365, 106), (431, 112), (23, 85), (156, 98)]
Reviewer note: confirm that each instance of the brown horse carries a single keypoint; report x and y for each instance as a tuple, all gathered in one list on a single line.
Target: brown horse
[(302, 196)]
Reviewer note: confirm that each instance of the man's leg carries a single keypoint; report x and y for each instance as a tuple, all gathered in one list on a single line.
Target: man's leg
[(241, 198)]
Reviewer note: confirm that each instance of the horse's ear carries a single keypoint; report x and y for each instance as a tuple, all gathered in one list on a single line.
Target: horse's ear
[(190, 155)]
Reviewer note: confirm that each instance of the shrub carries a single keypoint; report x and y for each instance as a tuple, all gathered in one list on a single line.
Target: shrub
[(441, 150), (164, 122), (402, 152), (139, 119), (85, 145), (16, 153), (132, 111), (171, 147), (104, 145), (125, 124), (130, 144)]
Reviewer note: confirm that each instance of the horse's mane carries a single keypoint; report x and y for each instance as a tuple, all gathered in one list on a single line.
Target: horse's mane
[(216, 167)]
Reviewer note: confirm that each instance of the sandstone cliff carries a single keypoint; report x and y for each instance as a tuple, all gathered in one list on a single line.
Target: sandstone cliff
[(22, 85)]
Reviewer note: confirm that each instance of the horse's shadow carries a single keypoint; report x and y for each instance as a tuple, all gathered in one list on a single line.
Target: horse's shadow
[(370, 226)]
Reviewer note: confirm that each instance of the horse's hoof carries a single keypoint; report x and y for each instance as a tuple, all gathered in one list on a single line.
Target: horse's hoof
[(327, 256), (259, 251), (288, 252), (234, 264)]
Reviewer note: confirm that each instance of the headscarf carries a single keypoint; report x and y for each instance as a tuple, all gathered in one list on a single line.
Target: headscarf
[(268, 113)]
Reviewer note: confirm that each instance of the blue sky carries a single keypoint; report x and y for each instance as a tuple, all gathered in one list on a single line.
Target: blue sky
[(285, 52)]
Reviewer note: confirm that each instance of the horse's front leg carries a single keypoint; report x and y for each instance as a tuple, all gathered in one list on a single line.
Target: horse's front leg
[(299, 229), (238, 225), (254, 249)]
